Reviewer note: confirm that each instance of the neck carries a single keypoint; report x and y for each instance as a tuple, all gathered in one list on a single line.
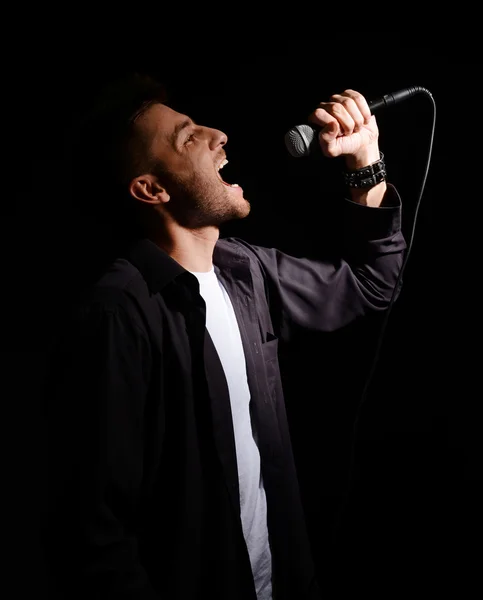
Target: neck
[(191, 248)]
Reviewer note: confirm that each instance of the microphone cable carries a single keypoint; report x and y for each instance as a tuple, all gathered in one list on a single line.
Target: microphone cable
[(380, 337)]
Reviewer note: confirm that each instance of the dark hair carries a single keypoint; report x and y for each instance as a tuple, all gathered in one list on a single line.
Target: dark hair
[(107, 151)]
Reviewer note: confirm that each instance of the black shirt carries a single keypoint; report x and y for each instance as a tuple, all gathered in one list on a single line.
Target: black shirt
[(144, 499)]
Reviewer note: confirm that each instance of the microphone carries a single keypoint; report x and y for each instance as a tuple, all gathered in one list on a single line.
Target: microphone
[(303, 140)]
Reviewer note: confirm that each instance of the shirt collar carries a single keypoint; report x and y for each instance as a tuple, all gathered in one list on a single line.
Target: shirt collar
[(159, 269), (155, 265)]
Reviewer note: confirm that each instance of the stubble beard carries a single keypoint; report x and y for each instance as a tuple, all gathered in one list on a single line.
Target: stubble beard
[(205, 204)]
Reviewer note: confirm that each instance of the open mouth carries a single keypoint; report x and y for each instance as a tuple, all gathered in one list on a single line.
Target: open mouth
[(220, 166)]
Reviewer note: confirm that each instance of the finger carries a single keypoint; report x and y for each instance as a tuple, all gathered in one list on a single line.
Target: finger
[(337, 111), (330, 132), (329, 124), (353, 110), (361, 103)]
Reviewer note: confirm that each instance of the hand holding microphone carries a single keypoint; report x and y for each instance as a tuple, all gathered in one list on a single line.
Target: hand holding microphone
[(303, 140), (347, 128)]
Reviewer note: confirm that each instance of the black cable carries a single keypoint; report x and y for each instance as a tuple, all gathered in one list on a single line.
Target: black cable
[(380, 338), (385, 320)]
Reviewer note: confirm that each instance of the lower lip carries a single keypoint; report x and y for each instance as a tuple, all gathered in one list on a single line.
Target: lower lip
[(238, 188)]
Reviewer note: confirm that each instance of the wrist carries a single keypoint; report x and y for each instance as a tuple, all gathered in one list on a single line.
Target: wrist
[(366, 156), (367, 176), (372, 197)]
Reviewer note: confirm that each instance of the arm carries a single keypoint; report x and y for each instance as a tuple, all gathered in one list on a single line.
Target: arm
[(96, 404), (321, 295)]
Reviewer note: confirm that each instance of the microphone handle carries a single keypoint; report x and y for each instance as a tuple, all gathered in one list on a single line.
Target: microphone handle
[(393, 98)]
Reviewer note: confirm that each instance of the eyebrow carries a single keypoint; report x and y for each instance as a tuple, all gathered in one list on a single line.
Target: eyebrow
[(179, 128)]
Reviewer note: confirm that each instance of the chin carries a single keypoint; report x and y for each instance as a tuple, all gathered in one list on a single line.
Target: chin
[(242, 209), (234, 214), (247, 210)]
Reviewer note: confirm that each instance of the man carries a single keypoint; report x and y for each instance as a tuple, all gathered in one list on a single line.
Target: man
[(172, 472)]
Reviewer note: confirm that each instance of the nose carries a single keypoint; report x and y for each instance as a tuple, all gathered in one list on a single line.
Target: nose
[(217, 139)]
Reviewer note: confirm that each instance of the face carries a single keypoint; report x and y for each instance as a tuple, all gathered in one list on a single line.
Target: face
[(189, 158)]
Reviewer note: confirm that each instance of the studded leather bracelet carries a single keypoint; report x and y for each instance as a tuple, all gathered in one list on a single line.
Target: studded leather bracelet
[(367, 177)]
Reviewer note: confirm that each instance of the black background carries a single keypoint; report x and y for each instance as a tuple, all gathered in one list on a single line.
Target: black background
[(413, 518)]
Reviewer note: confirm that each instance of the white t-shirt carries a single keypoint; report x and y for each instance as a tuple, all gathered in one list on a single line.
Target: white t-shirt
[(223, 328)]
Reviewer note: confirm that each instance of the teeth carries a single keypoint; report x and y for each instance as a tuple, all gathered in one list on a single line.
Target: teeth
[(220, 166)]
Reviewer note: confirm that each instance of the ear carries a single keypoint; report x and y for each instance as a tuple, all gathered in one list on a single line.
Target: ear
[(147, 189)]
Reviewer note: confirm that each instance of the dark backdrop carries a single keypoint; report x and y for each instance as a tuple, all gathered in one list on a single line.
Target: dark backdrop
[(411, 517)]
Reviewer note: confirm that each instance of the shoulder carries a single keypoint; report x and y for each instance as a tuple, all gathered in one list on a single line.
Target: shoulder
[(119, 292), (240, 248), (232, 244), (262, 260)]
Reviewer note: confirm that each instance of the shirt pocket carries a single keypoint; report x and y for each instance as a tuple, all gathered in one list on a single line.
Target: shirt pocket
[(270, 357)]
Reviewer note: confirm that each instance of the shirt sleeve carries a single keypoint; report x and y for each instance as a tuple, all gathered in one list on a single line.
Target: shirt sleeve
[(95, 401), (327, 294)]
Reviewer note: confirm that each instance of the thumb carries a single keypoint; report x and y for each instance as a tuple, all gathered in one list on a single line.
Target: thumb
[(330, 131)]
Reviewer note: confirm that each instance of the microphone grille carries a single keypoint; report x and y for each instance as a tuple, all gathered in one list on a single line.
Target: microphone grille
[(299, 139)]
